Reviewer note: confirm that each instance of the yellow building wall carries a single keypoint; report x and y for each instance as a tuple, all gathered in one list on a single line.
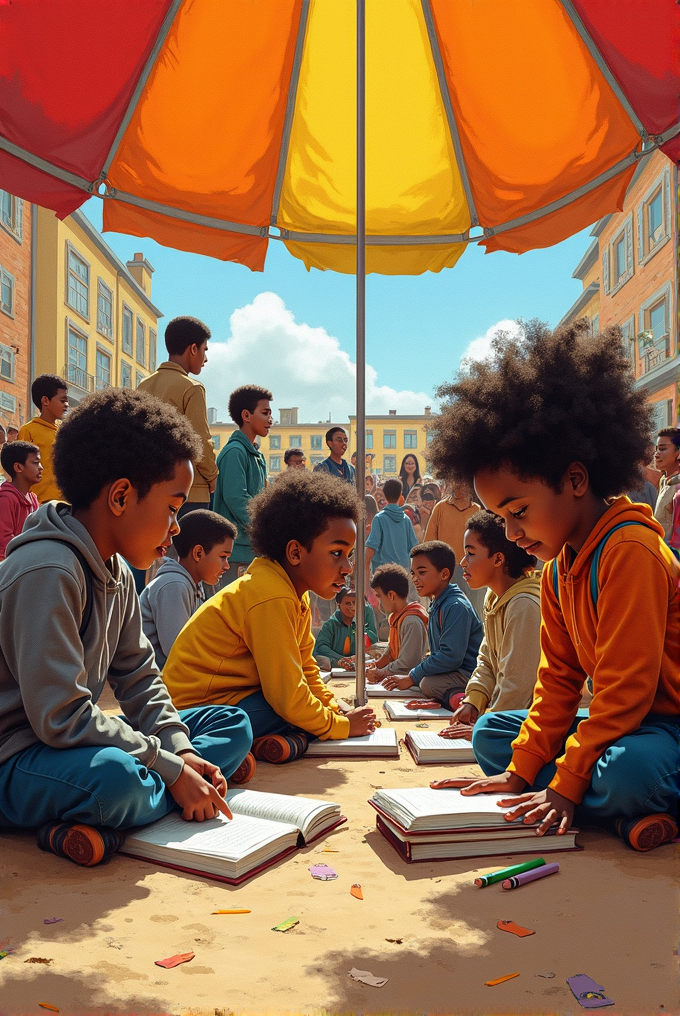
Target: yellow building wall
[(58, 319)]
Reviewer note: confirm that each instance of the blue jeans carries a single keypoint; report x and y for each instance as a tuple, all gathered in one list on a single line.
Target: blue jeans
[(264, 719), (637, 775), (106, 786)]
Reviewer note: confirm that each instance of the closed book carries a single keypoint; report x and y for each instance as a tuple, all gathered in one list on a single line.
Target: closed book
[(399, 710), (380, 691), (382, 743), (264, 829), (428, 748)]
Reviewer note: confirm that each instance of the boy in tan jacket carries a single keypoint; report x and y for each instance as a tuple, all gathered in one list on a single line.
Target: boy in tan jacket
[(507, 663)]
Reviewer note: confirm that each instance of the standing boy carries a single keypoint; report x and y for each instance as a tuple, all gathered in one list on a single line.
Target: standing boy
[(336, 441), (70, 623), (204, 545), (610, 603), (21, 462), (186, 340), (408, 624), (453, 629), (667, 459), (392, 534), (50, 396), (243, 469)]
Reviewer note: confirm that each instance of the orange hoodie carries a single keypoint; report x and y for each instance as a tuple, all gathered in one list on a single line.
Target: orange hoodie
[(629, 645)]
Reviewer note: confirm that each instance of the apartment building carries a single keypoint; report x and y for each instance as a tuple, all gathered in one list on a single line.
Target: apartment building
[(15, 309)]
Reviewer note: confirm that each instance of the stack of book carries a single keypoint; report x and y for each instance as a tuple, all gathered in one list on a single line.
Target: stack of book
[(381, 743), (428, 748), (401, 710), (380, 691), (439, 825)]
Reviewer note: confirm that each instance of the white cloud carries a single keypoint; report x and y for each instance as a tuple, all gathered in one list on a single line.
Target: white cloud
[(480, 348), (302, 366)]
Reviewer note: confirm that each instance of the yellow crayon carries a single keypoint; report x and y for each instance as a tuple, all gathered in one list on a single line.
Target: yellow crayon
[(231, 911)]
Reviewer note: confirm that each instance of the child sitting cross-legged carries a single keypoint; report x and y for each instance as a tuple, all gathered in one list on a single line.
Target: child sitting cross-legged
[(21, 462), (335, 642), (453, 629), (70, 622), (204, 545), (251, 644), (408, 624), (551, 430), (507, 664)]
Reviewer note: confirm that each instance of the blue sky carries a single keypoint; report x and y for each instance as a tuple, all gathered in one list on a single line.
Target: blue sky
[(418, 327)]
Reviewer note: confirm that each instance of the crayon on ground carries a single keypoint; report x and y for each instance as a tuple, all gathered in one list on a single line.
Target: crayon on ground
[(514, 929), (529, 876), (231, 911), (46, 1005), (499, 980), (514, 869)]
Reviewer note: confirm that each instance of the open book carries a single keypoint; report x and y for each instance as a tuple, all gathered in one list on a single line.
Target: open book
[(265, 828), (382, 743), (428, 748), (380, 691), (397, 710), (339, 672)]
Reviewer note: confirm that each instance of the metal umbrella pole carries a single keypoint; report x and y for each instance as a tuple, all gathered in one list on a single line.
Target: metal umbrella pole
[(360, 550)]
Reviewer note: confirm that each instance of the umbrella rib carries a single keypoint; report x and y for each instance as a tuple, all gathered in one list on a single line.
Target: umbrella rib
[(448, 106), (180, 213), (290, 110), (45, 166), (597, 56), (141, 84), (373, 240)]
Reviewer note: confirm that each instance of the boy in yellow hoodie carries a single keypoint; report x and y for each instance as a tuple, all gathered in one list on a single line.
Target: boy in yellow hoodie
[(550, 431), (507, 662), (251, 644), (50, 396)]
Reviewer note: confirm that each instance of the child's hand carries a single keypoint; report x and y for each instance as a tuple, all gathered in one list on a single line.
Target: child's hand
[(465, 713), (375, 676), (547, 807), (198, 798), (457, 730), (361, 721), (505, 782), (347, 663), (394, 681)]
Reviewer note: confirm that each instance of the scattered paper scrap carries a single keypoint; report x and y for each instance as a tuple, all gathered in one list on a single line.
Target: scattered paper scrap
[(323, 872), (548, 973), (46, 1005), (174, 961), (5, 952), (231, 911), (356, 891), (286, 925), (397, 941), (38, 959), (52, 920), (588, 993), (328, 849), (366, 977), (499, 980), (514, 929)]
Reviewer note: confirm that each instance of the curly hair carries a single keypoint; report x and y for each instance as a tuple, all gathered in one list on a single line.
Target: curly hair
[(202, 528), (46, 386), (391, 578), (541, 402), (119, 433), (299, 506), (437, 553), (246, 397), (183, 332), (490, 530)]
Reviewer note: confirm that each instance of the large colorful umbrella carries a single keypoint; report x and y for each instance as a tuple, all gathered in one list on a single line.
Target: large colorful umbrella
[(216, 125)]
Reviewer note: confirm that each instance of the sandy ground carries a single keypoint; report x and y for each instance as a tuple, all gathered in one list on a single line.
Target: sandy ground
[(609, 913)]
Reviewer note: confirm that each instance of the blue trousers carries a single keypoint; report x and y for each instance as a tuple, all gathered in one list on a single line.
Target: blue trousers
[(265, 720), (637, 775), (106, 786)]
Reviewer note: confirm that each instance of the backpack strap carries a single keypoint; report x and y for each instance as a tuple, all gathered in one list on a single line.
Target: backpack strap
[(555, 581)]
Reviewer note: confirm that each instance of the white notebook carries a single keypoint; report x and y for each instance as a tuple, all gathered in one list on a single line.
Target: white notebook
[(382, 743), (380, 691), (264, 827), (423, 809), (427, 746), (398, 710)]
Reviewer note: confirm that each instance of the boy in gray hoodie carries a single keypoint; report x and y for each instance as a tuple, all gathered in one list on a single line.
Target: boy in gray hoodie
[(70, 622)]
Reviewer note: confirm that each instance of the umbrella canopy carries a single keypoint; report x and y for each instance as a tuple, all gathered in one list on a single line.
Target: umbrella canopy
[(214, 125)]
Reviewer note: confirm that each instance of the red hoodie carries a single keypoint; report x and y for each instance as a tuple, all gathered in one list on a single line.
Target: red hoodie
[(15, 508)]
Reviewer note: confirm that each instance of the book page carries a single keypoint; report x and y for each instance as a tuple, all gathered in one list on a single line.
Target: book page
[(380, 691), (424, 808), (231, 840), (431, 739), (381, 738), (400, 711), (302, 812)]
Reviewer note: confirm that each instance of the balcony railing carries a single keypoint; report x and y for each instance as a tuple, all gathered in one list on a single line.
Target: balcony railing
[(652, 356), (79, 378)]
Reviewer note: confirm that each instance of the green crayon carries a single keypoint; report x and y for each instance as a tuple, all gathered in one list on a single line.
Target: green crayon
[(516, 869)]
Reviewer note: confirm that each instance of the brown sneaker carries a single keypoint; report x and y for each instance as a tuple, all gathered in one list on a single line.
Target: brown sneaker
[(80, 843), (245, 771), (645, 832)]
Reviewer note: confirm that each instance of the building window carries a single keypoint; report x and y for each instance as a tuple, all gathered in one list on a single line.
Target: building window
[(125, 374), (139, 377), (77, 359), (628, 339), (595, 324), (6, 363), (152, 349), (6, 292), (295, 441), (216, 440), (654, 337), (654, 217), (104, 309), (103, 378), (617, 259), (369, 438), (12, 214), (78, 283), (274, 463), (389, 463), (410, 439), (140, 354), (620, 265), (315, 460), (316, 442), (429, 437), (389, 439), (274, 440), (127, 330), (8, 402)]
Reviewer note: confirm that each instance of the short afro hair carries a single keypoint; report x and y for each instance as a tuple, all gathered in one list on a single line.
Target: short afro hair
[(671, 432), (117, 433), (46, 386), (541, 402), (490, 530), (392, 489), (246, 397), (182, 332), (391, 578), (342, 593), (15, 453), (299, 506), (292, 453), (202, 528), (437, 553)]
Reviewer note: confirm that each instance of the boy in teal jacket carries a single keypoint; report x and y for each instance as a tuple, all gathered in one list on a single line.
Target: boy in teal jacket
[(242, 469), (336, 639)]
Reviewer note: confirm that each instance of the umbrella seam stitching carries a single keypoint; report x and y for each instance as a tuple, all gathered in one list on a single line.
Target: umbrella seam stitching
[(290, 110)]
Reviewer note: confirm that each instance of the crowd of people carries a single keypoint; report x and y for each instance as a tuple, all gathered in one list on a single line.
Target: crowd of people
[(207, 634)]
